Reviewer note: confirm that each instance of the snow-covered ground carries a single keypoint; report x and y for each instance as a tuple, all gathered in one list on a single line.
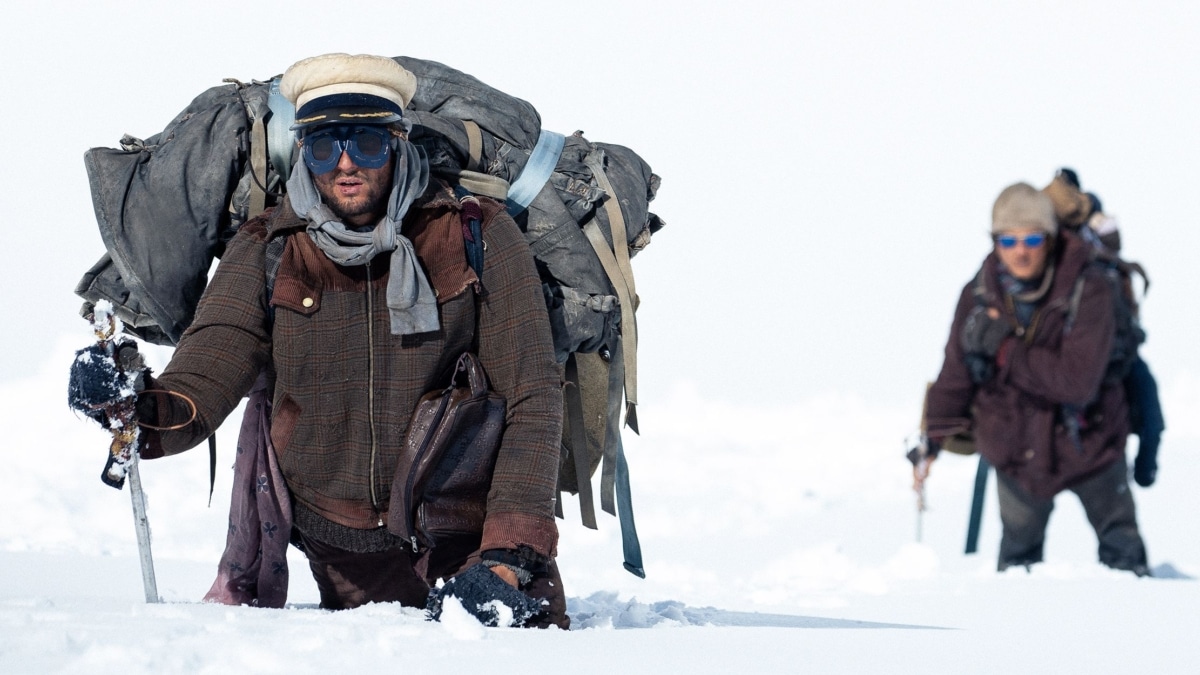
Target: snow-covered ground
[(828, 171), (777, 540)]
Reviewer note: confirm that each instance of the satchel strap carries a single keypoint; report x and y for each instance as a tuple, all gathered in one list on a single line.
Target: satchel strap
[(468, 371)]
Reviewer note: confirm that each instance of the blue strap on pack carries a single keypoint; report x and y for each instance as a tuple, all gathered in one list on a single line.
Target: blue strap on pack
[(630, 546), (281, 140), (537, 171)]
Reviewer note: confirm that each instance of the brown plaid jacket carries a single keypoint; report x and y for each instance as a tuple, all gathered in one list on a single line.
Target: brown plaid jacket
[(346, 387)]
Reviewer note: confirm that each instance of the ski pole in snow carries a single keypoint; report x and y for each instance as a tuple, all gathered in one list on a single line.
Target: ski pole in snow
[(920, 473), (142, 525), (106, 391), (919, 456)]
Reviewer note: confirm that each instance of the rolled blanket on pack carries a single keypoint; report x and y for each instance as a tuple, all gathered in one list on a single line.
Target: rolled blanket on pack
[(167, 204)]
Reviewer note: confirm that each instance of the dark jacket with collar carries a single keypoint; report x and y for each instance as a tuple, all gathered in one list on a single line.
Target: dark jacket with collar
[(346, 387), (1045, 371)]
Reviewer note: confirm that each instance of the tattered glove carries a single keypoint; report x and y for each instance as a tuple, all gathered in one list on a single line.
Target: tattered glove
[(981, 337), (95, 381), (99, 382), (983, 334), (486, 596)]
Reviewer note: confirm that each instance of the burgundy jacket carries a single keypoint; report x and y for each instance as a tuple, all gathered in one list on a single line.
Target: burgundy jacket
[(1018, 417), (346, 387)]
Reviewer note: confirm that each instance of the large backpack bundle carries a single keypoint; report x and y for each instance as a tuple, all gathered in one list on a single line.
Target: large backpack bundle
[(1083, 213), (166, 206)]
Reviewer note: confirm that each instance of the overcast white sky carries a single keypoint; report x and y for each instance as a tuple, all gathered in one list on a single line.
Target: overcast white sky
[(828, 168)]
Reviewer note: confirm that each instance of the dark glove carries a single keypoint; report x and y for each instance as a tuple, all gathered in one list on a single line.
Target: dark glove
[(979, 367), (981, 334), (478, 589), (95, 381), (981, 338), (1145, 466), (98, 382)]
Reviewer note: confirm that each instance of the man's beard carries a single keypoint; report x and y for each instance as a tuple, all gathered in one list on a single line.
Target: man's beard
[(371, 202), (346, 209)]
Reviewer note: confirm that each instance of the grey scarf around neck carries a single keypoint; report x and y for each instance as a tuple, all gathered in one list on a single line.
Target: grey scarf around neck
[(410, 299)]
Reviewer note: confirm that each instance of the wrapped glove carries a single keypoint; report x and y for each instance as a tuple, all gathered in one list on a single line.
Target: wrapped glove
[(100, 382), (485, 596), (983, 333), (981, 338), (95, 381)]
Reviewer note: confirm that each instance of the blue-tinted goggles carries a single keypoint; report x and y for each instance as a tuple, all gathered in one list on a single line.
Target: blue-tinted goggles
[(1030, 240), (368, 147)]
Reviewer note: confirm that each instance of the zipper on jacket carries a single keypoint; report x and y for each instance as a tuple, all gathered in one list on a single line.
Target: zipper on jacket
[(371, 396)]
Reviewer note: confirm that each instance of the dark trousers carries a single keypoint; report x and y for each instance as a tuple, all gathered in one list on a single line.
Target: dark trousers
[(347, 580), (1106, 499)]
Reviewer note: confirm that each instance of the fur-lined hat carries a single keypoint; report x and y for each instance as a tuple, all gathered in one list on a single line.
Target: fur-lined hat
[(347, 89), (1022, 206)]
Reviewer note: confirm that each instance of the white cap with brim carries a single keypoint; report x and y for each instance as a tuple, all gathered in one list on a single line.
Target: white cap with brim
[(347, 89)]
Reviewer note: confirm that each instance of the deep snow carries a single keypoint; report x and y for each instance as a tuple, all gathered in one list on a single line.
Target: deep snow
[(830, 165), (777, 540)]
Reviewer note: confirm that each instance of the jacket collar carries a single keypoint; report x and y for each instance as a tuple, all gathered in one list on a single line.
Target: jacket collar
[(1070, 257)]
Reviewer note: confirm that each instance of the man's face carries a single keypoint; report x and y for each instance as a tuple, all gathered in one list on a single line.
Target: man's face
[(355, 194), (1023, 259)]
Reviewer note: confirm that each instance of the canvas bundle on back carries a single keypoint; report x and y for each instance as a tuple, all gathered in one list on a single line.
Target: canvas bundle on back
[(1082, 212), (166, 206)]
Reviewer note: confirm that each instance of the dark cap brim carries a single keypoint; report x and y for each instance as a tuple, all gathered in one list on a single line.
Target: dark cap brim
[(354, 115), (347, 109)]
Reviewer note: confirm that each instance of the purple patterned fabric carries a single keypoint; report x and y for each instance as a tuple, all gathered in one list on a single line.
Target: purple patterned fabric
[(253, 568)]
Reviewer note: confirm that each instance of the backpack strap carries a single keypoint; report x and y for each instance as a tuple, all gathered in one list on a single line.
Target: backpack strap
[(261, 144), (537, 171), (482, 184), (281, 140), (630, 546), (1130, 268), (579, 447), (1127, 268), (979, 288), (474, 145), (258, 168), (614, 259), (1073, 305)]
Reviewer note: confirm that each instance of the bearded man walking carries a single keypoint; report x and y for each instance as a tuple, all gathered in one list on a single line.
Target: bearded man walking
[(372, 305)]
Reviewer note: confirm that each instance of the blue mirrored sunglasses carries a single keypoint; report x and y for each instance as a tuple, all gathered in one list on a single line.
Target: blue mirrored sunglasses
[(368, 147), (1030, 240)]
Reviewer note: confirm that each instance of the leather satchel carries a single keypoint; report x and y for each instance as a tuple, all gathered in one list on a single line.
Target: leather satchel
[(445, 470)]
